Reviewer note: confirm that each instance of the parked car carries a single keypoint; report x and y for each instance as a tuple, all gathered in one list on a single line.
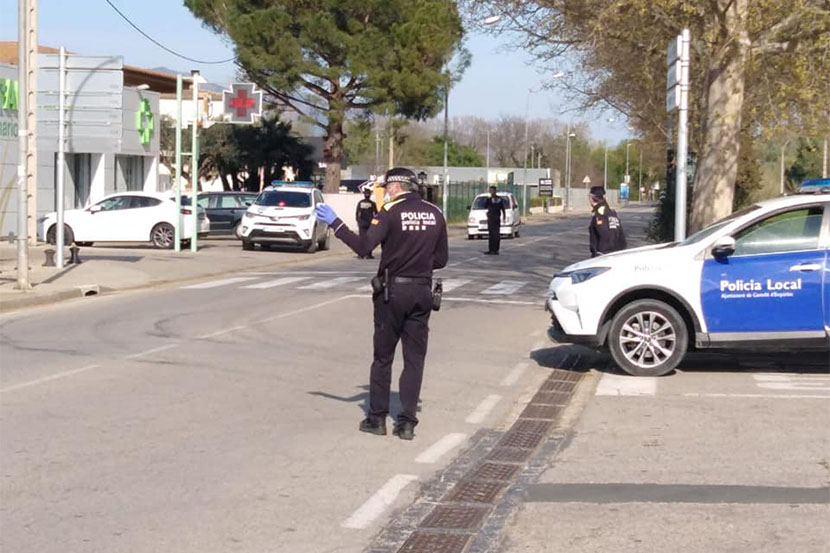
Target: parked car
[(477, 221), (225, 210), (124, 217), (757, 280), (284, 214)]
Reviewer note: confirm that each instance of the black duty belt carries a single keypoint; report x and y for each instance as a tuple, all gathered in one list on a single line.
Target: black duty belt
[(412, 280)]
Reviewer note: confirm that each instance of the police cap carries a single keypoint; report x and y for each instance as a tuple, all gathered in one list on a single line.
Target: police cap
[(597, 192), (406, 177)]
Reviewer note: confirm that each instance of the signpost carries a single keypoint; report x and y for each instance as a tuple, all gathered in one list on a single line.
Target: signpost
[(243, 103), (677, 98), (546, 190)]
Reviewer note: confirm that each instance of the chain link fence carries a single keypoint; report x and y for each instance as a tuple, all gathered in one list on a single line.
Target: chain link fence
[(460, 197)]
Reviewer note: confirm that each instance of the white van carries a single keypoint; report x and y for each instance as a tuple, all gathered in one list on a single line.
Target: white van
[(477, 221)]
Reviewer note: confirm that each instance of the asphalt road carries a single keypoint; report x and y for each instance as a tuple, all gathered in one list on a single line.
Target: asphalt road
[(222, 415)]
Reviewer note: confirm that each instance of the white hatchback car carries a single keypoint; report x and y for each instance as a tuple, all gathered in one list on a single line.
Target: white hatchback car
[(477, 221), (284, 214), (757, 280), (125, 217)]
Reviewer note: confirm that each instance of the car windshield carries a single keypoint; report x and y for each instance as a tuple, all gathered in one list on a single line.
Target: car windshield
[(479, 202), (715, 227), (279, 198)]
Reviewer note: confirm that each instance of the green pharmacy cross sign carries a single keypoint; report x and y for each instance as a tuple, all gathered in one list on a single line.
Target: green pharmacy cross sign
[(144, 122)]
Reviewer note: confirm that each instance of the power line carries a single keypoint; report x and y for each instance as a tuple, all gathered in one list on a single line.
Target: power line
[(162, 46)]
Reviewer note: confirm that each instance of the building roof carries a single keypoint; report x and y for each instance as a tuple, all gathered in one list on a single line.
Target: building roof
[(158, 81)]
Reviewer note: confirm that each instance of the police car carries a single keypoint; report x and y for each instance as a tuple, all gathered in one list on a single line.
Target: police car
[(759, 280), (284, 214)]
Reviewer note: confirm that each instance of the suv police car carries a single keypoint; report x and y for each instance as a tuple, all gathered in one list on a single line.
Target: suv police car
[(759, 279), (284, 214)]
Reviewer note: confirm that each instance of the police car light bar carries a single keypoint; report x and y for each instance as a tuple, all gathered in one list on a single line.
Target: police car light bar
[(815, 186), (303, 183)]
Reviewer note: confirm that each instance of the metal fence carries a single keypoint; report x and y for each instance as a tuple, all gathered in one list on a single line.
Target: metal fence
[(460, 196)]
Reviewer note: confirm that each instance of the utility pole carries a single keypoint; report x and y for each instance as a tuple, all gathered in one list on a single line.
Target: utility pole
[(824, 161), (524, 180), (177, 230), (391, 144), (59, 207), (446, 187), (640, 185), (488, 156), (605, 170), (781, 181), (26, 123), (194, 163)]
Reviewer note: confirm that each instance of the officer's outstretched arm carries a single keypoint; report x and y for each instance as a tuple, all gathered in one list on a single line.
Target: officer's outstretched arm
[(364, 245), (442, 249)]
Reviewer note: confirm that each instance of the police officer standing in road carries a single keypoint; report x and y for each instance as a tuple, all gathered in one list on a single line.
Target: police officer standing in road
[(606, 232), (366, 211), (496, 213), (413, 238)]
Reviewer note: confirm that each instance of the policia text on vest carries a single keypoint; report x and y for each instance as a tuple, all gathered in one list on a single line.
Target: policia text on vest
[(412, 234)]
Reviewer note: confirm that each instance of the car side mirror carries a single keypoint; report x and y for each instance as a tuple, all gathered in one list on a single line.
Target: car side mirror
[(248, 204), (724, 247), (94, 208)]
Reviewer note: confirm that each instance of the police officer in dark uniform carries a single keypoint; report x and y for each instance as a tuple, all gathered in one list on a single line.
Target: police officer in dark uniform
[(605, 231), (496, 213), (413, 238), (365, 212)]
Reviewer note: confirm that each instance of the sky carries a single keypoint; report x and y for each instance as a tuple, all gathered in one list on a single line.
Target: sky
[(495, 84)]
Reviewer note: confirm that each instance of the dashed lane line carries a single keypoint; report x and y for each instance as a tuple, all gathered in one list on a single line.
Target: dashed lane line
[(451, 284), (484, 408), (379, 502), (45, 379), (221, 332), (497, 302), (150, 351), (440, 448), (758, 396), (513, 376)]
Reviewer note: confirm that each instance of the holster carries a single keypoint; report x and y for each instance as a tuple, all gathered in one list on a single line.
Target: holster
[(437, 292), (380, 285)]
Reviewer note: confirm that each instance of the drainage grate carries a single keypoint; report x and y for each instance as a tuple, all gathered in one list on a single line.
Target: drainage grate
[(476, 492), (455, 517), (521, 439), (494, 471), (567, 376), (551, 398), (509, 455), (548, 412), (429, 542), (531, 426), (557, 386)]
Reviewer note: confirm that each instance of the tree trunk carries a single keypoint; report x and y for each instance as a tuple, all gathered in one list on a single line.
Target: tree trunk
[(333, 152), (717, 169)]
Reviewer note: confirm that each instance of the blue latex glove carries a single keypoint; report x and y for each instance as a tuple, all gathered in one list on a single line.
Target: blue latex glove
[(325, 213)]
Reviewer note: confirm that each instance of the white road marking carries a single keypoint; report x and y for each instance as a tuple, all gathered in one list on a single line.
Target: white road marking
[(440, 448), (221, 332), (150, 351), (762, 396), (529, 242), (504, 302), (793, 382), (513, 376), (217, 283), (505, 287), (330, 283), (307, 308), (47, 379), (464, 261), (480, 413), (623, 385), (379, 502), (273, 283), (451, 284)]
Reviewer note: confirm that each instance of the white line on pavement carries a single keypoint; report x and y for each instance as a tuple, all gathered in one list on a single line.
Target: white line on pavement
[(221, 332), (440, 448), (217, 283), (463, 261), (274, 283), (623, 385), (150, 351), (308, 308), (331, 283), (513, 376), (505, 287), (480, 413), (47, 379), (761, 396), (529, 242), (451, 284), (504, 302), (379, 502)]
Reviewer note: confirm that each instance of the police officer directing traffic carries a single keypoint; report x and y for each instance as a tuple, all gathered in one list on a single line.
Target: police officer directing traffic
[(413, 238), (365, 212), (605, 231), (494, 204)]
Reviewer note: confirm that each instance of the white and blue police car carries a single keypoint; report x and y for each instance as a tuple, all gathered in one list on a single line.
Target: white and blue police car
[(759, 280)]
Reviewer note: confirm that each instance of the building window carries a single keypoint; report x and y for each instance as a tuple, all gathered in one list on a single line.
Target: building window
[(77, 180), (129, 173)]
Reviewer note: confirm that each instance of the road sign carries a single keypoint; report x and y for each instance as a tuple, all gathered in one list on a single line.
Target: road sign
[(546, 187), (623, 192), (627, 179), (242, 103)]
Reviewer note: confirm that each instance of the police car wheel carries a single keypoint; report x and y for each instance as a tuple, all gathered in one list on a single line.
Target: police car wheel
[(324, 244), (648, 338), (247, 244)]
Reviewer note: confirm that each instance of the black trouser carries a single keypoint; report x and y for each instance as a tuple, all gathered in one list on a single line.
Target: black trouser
[(406, 318), (362, 232), (494, 230)]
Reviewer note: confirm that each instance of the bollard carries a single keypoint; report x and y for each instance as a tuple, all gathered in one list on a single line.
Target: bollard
[(50, 258), (75, 258)]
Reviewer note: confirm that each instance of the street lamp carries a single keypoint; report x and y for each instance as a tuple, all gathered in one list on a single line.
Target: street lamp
[(567, 202), (605, 171)]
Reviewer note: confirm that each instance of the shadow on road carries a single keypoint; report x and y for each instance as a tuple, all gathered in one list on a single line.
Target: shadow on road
[(363, 399)]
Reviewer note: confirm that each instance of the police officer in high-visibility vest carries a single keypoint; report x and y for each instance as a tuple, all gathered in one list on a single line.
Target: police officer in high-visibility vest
[(365, 212), (605, 231), (413, 238)]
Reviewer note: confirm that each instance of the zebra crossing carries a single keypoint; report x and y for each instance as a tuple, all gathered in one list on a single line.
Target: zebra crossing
[(322, 282)]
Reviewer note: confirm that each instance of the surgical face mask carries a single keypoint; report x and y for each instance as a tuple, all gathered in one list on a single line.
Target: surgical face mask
[(386, 197)]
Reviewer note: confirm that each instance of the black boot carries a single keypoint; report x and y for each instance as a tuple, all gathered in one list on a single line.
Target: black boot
[(404, 430), (373, 427)]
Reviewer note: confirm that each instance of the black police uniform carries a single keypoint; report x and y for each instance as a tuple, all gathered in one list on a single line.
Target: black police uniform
[(606, 232), (365, 212), (495, 212), (413, 236)]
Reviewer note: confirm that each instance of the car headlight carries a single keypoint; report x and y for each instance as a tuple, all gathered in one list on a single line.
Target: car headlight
[(472, 221), (249, 215), (581, 275)]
